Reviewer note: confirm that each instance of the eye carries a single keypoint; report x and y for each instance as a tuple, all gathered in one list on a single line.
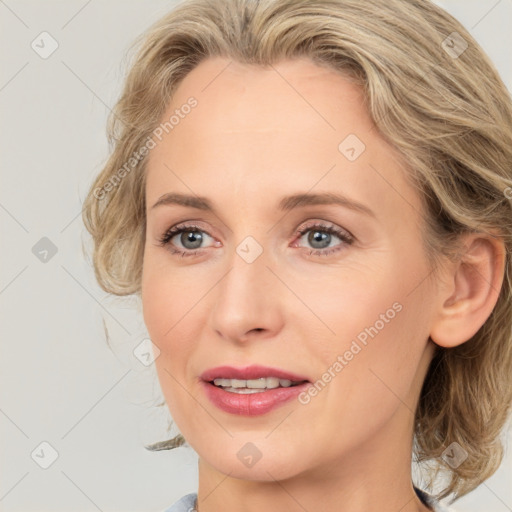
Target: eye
[(320, 237), (191, 237)]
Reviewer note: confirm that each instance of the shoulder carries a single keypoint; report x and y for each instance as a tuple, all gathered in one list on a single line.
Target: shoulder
[(184, 504)]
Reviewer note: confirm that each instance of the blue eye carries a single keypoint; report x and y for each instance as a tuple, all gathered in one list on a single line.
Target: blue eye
[(319, 234), (194, 238)]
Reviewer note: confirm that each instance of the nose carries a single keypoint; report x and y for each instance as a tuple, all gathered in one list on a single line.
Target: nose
[(247, 301)]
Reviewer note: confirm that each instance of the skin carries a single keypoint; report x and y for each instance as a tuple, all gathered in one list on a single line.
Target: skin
[(257, 135)]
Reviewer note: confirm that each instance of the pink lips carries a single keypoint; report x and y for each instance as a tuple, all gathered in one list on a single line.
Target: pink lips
[(251, 404)]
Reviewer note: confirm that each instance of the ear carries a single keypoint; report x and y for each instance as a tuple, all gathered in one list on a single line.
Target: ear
[(469, 290)]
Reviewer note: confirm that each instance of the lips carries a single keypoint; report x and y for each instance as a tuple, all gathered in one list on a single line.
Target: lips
[(250, 372)]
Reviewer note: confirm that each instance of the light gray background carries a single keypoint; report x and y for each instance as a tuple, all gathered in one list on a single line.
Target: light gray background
[(60, 383)]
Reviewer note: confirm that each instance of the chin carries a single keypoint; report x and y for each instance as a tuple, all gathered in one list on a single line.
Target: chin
[(259, 461)]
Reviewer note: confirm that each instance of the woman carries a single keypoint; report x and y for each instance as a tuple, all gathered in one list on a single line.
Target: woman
[(311, 199)]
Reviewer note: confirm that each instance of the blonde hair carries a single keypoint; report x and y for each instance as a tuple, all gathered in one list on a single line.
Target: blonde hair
[(449, 115)]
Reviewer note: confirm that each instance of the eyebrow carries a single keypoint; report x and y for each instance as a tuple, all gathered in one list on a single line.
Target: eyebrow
[(285, 204)]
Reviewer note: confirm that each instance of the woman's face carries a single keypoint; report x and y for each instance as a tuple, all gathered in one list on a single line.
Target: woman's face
[(346, 305)]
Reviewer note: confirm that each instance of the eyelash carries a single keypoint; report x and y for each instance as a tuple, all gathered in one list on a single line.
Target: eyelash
[(343, 235)]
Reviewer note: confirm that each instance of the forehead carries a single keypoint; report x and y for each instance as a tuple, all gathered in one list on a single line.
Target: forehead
[(240, 97), (272, 127)]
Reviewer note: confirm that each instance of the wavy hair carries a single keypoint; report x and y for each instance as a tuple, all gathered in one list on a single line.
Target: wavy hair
[(441, 104)]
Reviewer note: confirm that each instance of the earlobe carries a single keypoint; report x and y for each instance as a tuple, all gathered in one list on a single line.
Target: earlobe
[(469, 291)]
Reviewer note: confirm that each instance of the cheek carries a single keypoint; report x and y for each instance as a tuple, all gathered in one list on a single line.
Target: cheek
[(162, 312), (154, 306), (170, 310), (159, 318), (382, 358), (359, 303), (374, 332), (163, 295)]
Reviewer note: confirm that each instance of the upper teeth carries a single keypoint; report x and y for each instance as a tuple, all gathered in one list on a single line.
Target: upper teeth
[(262, 383)]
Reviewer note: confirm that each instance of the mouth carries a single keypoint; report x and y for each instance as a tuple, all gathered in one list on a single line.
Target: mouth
[(249, 386), (251, 391)]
